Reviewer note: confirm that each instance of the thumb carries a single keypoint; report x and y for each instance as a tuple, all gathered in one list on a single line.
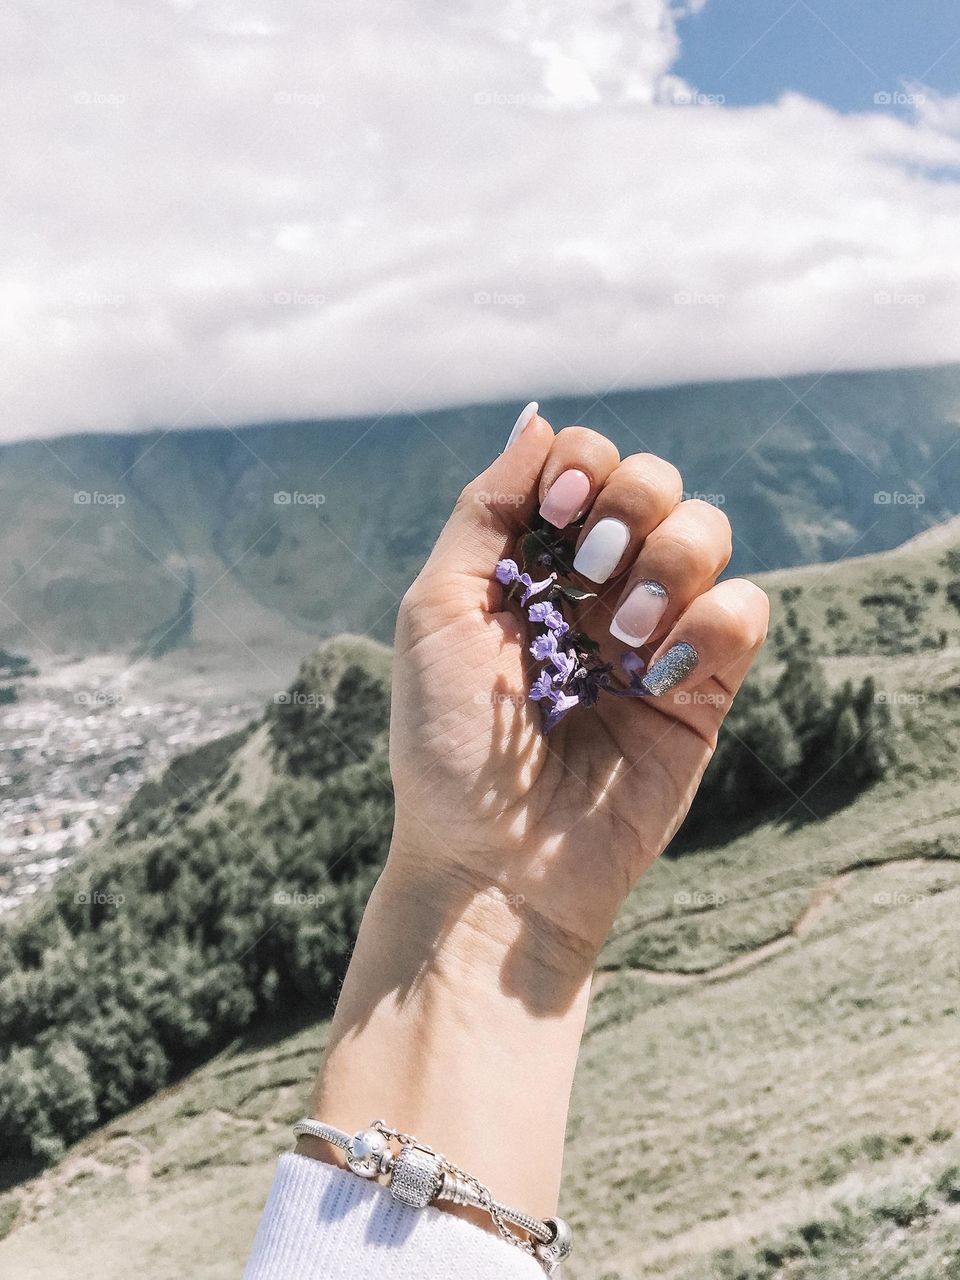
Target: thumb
[(493, 510)]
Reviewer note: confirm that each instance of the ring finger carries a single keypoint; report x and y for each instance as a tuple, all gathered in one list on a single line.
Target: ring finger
[(679, 560)]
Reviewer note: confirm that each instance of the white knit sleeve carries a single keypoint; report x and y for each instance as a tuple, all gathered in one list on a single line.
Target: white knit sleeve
[(322, 1223)]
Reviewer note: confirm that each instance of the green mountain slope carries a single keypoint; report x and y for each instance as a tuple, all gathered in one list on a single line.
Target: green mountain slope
[(767, 1083), (255, 540)]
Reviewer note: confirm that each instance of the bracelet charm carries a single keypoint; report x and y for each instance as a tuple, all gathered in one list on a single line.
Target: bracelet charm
[(418, 1176), (366, 1151)]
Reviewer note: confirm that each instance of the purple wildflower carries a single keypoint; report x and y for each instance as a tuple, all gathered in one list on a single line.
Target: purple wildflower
[(632, 664), (546, 612), (562, 703), (544, 646), (507, 571), (542, 687), (534, 588), (564, 664)]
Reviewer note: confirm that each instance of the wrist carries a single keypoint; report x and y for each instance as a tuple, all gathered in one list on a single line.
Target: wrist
[(492, 922), (445, 1021)]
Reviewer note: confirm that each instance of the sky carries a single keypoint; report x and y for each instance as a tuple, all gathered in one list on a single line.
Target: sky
[(221, 213)]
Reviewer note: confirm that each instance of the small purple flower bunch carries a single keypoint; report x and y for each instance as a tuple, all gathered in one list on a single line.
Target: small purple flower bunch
[(573, 675)]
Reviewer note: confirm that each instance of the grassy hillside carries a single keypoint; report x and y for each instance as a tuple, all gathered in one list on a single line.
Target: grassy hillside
[(248, 543), (767, 1087)]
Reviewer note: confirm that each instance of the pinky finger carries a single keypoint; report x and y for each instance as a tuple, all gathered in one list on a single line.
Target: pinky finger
[(714, 640)]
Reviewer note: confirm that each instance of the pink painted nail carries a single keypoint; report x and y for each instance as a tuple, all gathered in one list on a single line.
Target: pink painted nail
[(566, 498), (636, 619)]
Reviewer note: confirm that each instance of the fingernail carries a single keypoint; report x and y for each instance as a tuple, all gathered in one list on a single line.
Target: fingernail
[(601, 549), (636, 619), (677, 662), (527, 415), (566, 498)]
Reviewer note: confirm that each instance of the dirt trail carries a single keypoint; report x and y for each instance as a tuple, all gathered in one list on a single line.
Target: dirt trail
[(820, 902)]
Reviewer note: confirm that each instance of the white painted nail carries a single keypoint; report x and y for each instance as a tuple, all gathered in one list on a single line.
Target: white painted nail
[(527, 415), (602, 549)]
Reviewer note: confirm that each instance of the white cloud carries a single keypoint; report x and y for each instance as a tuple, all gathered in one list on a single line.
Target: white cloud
[(227, 213)]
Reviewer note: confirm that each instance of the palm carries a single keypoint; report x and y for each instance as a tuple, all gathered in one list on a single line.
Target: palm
[(599, 797)]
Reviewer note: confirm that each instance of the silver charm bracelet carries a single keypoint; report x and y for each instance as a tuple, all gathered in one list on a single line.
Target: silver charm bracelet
[(417, 1176)]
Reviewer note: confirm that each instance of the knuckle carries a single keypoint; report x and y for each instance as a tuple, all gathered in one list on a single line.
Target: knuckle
[(472, 495), (696, 554), (710, 526), (658, 474), (743, 616), (706, 513), (571, 439)]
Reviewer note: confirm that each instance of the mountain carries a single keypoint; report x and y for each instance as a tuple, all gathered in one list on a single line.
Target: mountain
[(252, 543), (766, 1087)]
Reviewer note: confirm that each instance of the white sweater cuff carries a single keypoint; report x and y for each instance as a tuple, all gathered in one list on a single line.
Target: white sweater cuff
[(322, 1223)]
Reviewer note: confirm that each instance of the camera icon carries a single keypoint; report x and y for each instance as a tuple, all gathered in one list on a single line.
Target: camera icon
[(282, 499)]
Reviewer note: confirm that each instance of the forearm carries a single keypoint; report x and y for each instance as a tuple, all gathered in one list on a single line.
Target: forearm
[(459, 1021)]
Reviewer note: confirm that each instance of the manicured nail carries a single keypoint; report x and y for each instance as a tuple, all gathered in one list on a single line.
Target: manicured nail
[(676, 663), (566, 498), (636, 619), (601, 550), (527, 415)]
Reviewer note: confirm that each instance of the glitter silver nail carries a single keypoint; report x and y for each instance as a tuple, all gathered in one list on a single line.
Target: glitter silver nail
[(677, 662)]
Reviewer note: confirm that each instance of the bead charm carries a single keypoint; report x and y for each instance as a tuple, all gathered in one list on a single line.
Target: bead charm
[(365, 1153), (416, 1178)]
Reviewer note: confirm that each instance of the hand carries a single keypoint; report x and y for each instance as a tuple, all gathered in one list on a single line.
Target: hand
[(560, 827), (513, 852)]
